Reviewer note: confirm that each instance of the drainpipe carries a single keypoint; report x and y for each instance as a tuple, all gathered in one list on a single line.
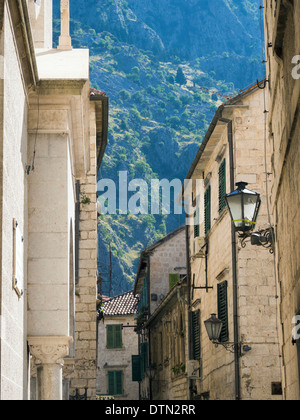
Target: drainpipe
[(77, 217), (234, 270), (188, 265)]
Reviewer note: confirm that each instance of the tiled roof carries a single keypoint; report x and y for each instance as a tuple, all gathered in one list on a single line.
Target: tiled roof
[(125, 304)]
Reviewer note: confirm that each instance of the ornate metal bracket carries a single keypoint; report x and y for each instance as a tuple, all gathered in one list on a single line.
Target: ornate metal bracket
[(264, 238)]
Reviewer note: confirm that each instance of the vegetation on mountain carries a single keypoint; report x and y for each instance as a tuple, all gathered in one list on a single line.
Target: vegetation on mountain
[(166, 65)]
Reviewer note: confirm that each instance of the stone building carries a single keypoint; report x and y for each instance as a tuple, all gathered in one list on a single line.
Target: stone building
[(282, 37), (227, 278), (117, 342), (168, 327), (161, 267), (52, 135)]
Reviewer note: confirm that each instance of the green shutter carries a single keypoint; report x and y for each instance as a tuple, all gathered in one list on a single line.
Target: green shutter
[(222, 186), (207, 209), (144, 295), (111, 383), (136, 368), (173, 280), (196, 225), (196, 334), (144, 357), (114, 336), (110, 336), (119, 382), (223, 310), (115, 382)]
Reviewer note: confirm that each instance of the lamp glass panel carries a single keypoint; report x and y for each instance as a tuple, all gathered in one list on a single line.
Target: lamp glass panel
[(235, 205), (213, 329)]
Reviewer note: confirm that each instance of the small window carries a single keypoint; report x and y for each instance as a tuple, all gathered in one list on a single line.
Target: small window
[(114, 337), (115, 382)]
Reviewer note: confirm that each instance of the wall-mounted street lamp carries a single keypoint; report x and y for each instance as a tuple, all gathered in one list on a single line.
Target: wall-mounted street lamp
[(214, 327), (151, 372), (244, 205)]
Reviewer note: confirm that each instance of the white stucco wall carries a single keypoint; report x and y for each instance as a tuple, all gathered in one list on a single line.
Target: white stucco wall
[(13, 319)]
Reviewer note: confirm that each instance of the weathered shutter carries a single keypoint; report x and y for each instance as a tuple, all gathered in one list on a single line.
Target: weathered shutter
[(136, 368), (144, 357), (222, 186), (111, 382), (115, 382), (196, 225), (110, 336), (114, 336), (207, 209), (173, 280), (118, 337), (119, 382), (223, 310), (196, 334)]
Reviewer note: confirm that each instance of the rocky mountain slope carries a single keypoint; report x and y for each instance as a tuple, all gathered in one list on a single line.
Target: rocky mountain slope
[(156, 124)]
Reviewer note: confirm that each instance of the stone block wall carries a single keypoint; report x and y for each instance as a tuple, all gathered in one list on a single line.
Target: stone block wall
[(84, 375), (282, 30)]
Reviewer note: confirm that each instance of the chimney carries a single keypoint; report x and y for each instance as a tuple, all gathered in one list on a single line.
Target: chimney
[(65, 39)]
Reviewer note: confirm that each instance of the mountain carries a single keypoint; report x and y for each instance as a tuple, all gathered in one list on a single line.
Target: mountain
[(157, 121)]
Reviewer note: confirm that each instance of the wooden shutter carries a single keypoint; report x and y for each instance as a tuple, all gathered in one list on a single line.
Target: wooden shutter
[(111, 383), (222, 186), (136, 368), (207, 209), (196, 225), (144, 357), (114, 336), (223, 310), (196, 334), (115, 382), (119, 382)]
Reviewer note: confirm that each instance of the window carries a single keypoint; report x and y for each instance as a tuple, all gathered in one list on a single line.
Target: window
[(222, 186), (115, 382), (196, 335), (207, 209), (223, 310), (114, 337)]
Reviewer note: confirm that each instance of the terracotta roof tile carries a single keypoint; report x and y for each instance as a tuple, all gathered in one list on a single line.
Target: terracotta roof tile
[(125, 304)]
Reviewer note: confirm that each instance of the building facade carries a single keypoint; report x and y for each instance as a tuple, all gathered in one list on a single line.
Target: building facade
[(117, 342), (162, 266), (282, 35), (233, 281), (168, 337), (52, 132)]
